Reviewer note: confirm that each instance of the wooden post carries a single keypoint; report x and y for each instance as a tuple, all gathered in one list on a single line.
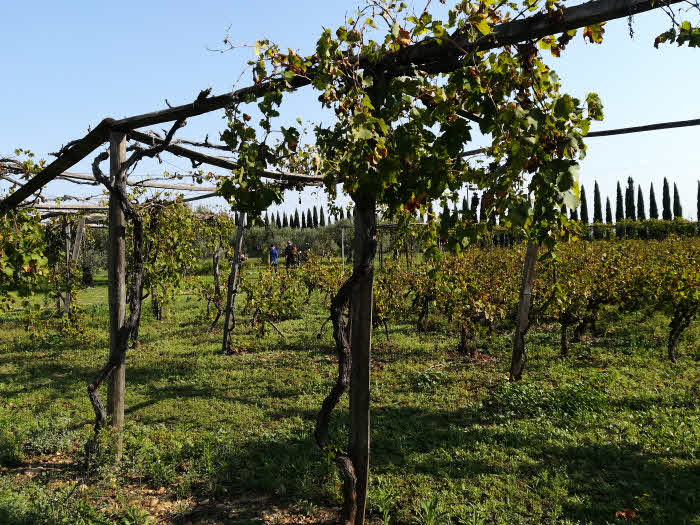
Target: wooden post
[(342, 246), (364, 249), (117, 289), (72, 254), (522, 321), (66, 240)]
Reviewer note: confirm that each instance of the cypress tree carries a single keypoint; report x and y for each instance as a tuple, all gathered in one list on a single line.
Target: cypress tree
[(285, 221), (608, 211), (653, 209), (482, 211), (641, 212), (322, 218), (474, 207), (677, 208), (445, 213), (629, 201), (666, 202), (465, 205), (315, 217), (342, 214), (303, 220), (267, 220), (573, 214), (296, 219), (597, 206), (619, 210), (584, 206), (309, 219)]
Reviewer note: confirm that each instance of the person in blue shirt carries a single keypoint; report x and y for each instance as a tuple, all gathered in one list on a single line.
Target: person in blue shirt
[(273, 258)]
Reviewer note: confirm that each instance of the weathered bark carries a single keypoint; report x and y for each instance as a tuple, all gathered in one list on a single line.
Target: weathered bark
[(120, 328), (522, 322), (215, 257), (67, 240), (680, 320), (466, 342), (73, 263), (563, 342), (117, 290), (353, 344), (232, 287), (579, 330), (156, 307), (365, 246)]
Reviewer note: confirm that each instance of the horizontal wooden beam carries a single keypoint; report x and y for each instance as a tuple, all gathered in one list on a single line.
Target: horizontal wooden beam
[(142, 183), (619, 131), (444, 56), (69, 207), (221, 162), (68, 158)]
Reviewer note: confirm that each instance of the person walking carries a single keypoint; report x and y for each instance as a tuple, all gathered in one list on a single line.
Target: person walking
[(290, 255), (273, 258)]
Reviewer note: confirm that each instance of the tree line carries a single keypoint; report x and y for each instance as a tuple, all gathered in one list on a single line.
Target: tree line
[(630, 207)]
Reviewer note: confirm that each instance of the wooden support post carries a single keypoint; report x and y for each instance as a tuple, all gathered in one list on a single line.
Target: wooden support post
[(364, 249), (65, 297), (522, 321), (117, 290), (72, 254), (342, 246)]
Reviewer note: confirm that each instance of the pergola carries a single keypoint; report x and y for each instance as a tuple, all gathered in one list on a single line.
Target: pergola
[(429, 55)]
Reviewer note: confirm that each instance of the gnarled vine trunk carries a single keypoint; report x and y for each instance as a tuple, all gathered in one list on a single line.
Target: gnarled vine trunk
[(522, 321), (563, 342), (466, 342), (232, 287), (680, 320)]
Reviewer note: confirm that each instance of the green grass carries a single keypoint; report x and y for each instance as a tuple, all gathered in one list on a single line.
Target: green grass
[(228, 439)]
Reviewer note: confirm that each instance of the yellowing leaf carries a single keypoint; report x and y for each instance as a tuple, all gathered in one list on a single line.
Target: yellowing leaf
[(483, 27)]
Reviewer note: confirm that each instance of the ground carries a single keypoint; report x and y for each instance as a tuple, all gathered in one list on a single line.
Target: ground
[(610, 434)]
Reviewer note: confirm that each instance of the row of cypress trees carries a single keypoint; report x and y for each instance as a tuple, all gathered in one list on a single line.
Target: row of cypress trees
[(311, 218), (629, 208)]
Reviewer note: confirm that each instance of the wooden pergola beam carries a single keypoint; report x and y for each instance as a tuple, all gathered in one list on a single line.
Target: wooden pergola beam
[(70, 156), (144, 183), (221, 162), (69, 207), (444, 56)]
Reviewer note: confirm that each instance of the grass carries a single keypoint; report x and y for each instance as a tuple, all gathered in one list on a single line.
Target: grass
[(609, 435)]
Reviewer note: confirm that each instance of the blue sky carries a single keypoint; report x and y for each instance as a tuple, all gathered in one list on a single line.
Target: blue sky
[(67, 65)]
